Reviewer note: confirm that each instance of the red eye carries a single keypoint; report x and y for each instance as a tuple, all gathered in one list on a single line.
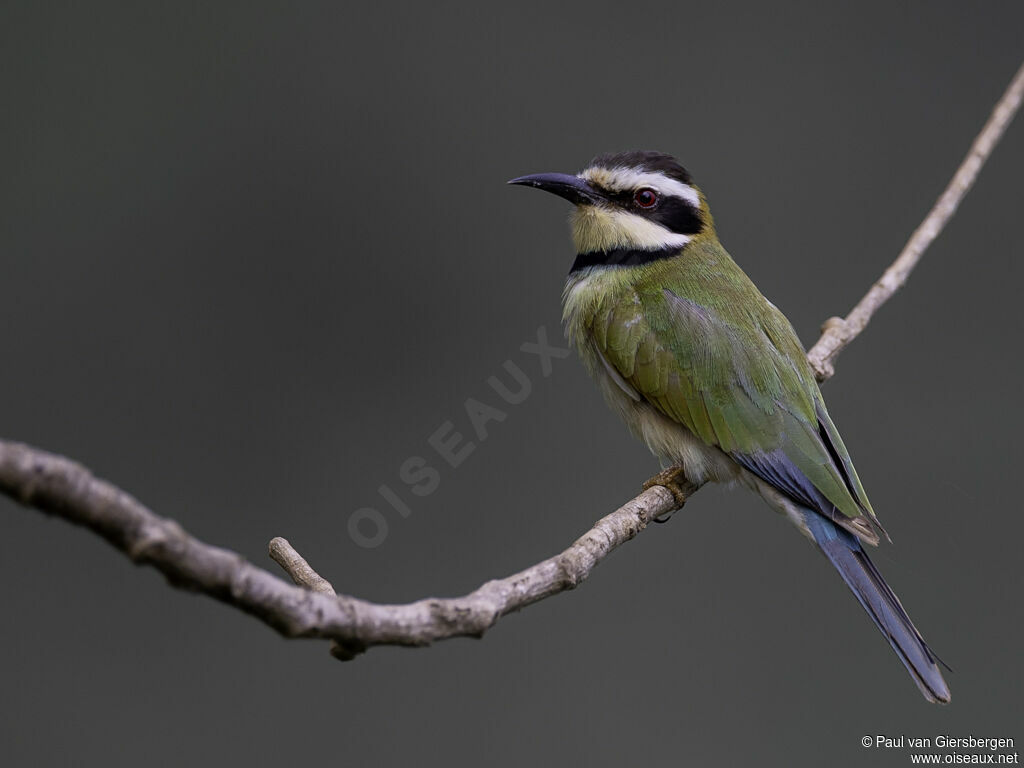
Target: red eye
[(645, 198)]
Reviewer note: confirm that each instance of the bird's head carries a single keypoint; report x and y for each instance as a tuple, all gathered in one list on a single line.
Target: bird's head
[(631, 208)]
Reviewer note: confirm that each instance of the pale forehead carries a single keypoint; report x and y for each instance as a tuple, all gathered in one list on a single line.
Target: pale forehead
[(622, 179)]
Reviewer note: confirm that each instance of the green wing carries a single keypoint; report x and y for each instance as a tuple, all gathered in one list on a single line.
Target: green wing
[(710, 352)]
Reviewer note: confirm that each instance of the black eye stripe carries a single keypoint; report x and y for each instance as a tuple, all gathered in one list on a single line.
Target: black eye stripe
[(673, 213), (624, 198), (677, 215), (627, 199)]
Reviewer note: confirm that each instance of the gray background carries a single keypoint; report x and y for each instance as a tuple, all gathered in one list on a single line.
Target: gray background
[(254, 254)]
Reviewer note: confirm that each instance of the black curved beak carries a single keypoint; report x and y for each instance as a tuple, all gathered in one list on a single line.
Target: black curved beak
[(572, 188)]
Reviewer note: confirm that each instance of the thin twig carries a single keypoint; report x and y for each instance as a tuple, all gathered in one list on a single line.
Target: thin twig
[(295, 565), (837, 332), (61, 487)]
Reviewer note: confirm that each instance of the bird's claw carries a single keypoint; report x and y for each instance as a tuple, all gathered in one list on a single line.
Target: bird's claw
[(674, 480)]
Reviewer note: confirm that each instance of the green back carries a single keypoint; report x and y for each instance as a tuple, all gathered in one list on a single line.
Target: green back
[(696, 339)]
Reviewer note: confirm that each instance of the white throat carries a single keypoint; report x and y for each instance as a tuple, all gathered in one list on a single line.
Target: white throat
[(601, 228)]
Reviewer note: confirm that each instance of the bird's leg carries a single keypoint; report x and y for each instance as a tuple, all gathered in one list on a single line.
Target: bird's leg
[(674, 479)]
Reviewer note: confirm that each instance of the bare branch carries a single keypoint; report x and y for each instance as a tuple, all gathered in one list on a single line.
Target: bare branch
[(61, 487), (66, 489), (837, 332)]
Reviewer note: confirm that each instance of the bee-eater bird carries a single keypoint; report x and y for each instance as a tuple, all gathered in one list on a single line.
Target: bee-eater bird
[(710, 374)]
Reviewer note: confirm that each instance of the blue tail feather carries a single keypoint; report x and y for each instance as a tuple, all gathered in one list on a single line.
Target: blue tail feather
[(845, 552)]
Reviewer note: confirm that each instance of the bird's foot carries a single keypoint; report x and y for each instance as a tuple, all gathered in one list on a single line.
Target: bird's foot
[(674, 479)]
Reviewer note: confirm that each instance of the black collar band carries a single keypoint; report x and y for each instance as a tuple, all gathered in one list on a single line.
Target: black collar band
[(622, 257)]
